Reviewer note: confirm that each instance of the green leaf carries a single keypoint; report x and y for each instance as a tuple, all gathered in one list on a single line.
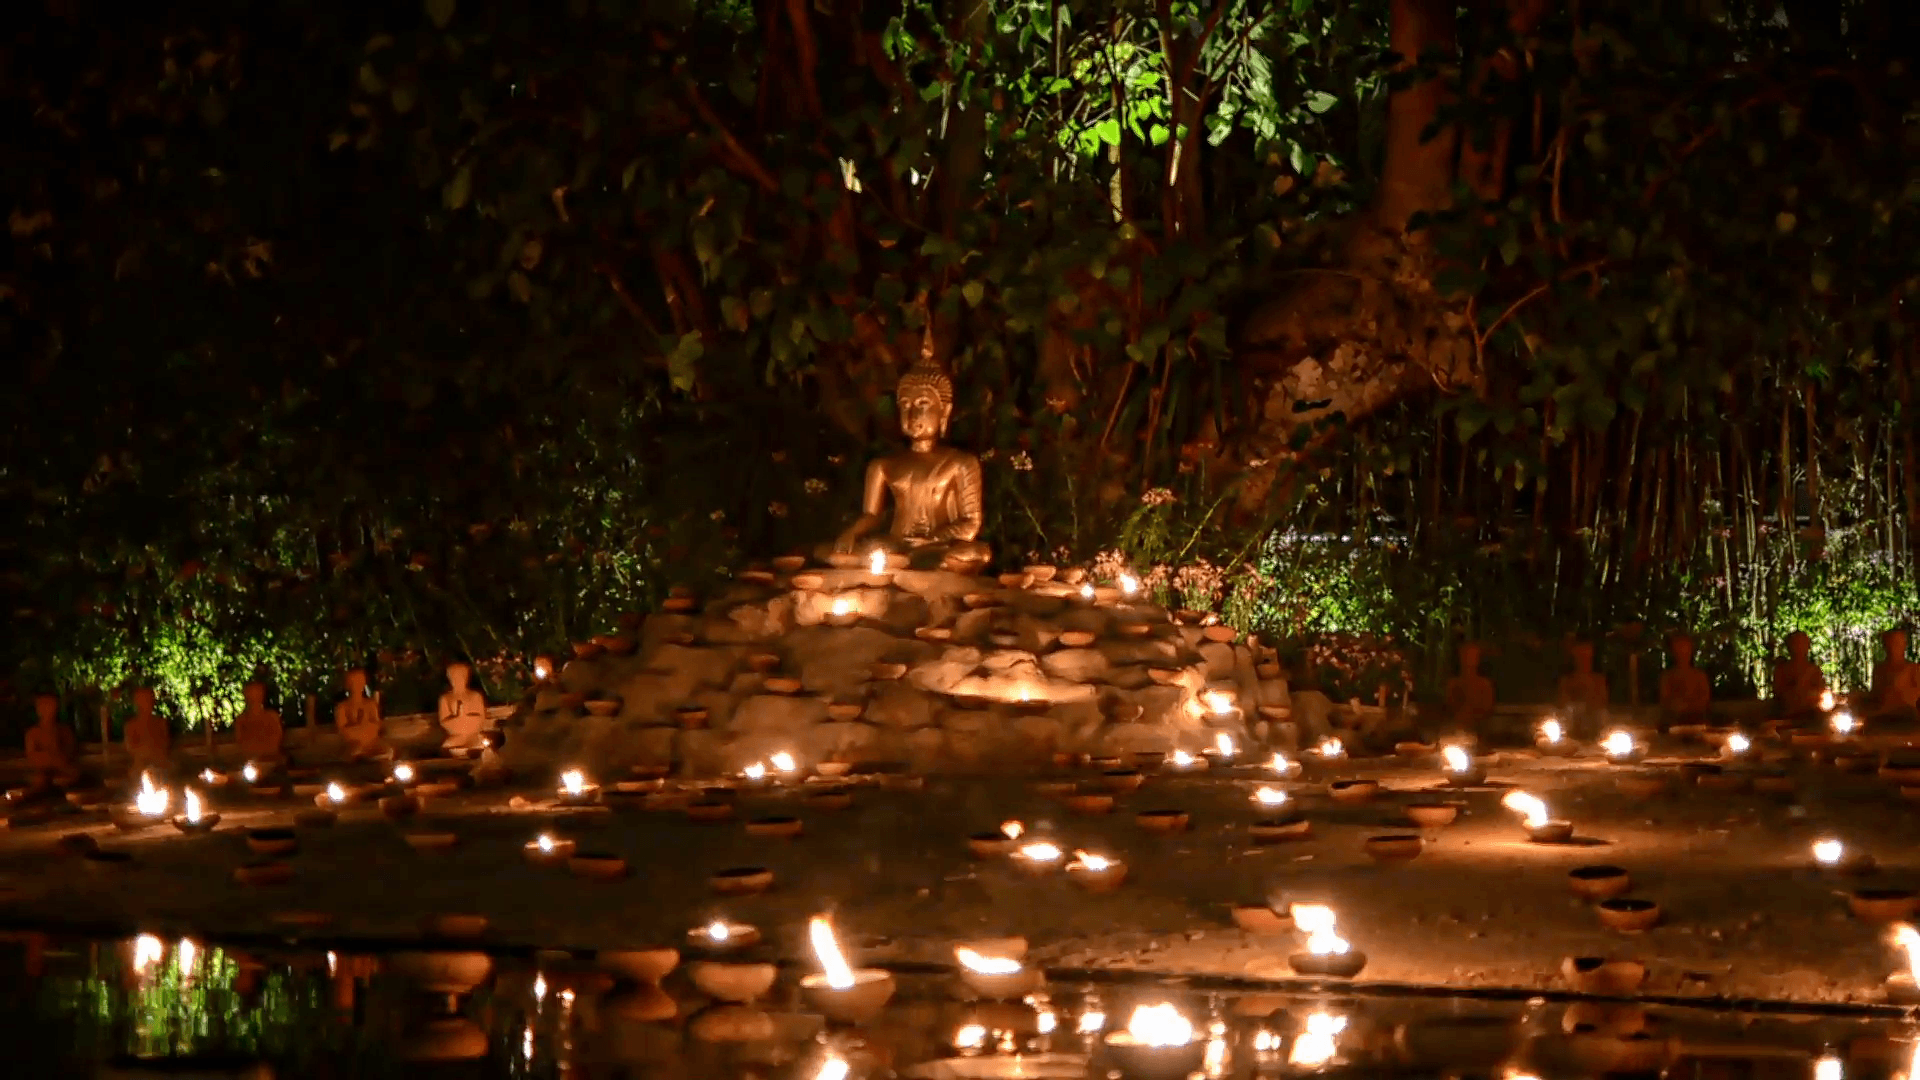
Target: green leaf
[(457, 189), (519, 286), (1157, 134), (1319, 101), (680, 362), (441, 12), (734, 312), (973, 291), (760, 302), (1510, 250), (1784, 221)]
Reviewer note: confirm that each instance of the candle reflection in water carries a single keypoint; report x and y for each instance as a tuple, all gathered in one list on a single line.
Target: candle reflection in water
[(1319, 1043)]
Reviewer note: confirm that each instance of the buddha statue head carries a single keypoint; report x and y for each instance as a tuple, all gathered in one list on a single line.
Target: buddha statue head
[(458, 674), (1799, 645), (1895, 642), (143, 700), (925, 400), (356, 682), (255, 694), (1682, 648), (46, 707)]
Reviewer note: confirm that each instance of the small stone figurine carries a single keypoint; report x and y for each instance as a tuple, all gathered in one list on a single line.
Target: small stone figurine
[(1896, 680), (148, 741), (257, 731), (463, 710), (52, 750), (1685, 692), (1797, 680), (358, 719), (1469, 694), (1583, 691)]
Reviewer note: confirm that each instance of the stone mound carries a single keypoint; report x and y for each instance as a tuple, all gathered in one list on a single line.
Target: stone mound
[(941, 671)]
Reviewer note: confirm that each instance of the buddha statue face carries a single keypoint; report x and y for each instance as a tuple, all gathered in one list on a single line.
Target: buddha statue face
[(255, 694), (356, 683), (1799, 645), (1682, 647), (45, 706), (143, 701), (1582, 654), (1469, 658), (457, 675), (1895, 642), (925, 401)]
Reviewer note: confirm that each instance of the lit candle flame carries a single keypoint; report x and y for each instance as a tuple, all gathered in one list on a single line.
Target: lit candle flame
[(1086, 592), (1012, 829), (832, 963), (1827, 852), (185, 955), (718, 931), (544, 842), (1317, 1045), (1181, 759), (1218, 702), (1618, 743), (1318, 922), (1280, 764), (403, 773), (1159, 1025), (1041, 851), (147, 951), (208, 776), (986, 965), (1552, 730), (1331, 747), (783, 761), (1826, 701), (193, 807), (1829, 1068), (151, 801), (1844, 723), (1270, 796), (335, 793), (1906, 937), (1091, 862), (833, 1069), (249, 772), (877, 562), (1223, 744), (755, 771), (970, 1037), (1456, 759), (573, 782), (841, 606), (541, 669), (1129, 584), (1738, 743), (1090, 1022), (1530, 807)]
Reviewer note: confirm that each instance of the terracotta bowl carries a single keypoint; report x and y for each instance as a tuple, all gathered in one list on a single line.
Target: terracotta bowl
[(934, 633), (399, 807), (781, 684), (1598, 882), (1149, 760), (991, 845), (1220, 632), (454, 926), (833, 798), (264, 873), (738, 983), (1011, 986), (1353, 791), (562, 850), (640, 965), (1122, 781), (886, 671), (1337, 966), (775, 828), (1883, 905), (1640, 785), (272, 841), (863, 1001), (709, 811), (1628, 915), (586, 650), (1398, 847), (1041, 573), (1090, 802), (675, 802), (1014, 580), (787, 564), (431, 840), (204, 825), (1550, 832), (1279, 830), (1415, 751), (757, 577), (1075, 639), (843, 711), (603, 706), (1261, 919), (741, 881), (1165, 821), (1602, 976), (1432, 815), (1165, 676), (833, 769), (597, 866), (1126, 1057)]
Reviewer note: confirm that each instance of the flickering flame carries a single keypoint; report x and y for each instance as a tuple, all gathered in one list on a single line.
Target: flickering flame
[(1827, 852), (1844, 723), (1280, 764), (1086, 592), (1826, 701), (403, 773), (877, 562), (1129, 584), (1829, 1068), (986, 965), (1159, 1025), (333, 962), (1618, 743), (1906, 937), (1456, 759), (185, 955), (832, 963), (1530, 808), (539, 986), (1181, 760), (1331, 747), (842, 605), (970, 1037), (755, 771), (336, 793), (1318, 921), (147, 951), (1044, 1021), (1223, 744), (718, 931), (1218, 702), (1738, 743), (573, 782), (1317, 1045), (542, 669), (1090, 1022), (544, 842), (1214, 1062), (249, 772), (151, 801), (193, 807), (833, 1069), (1270, 796), (1041, 851), (1091, 862), (1552, 731), (1012, 829), (208, 776), (783, 761)]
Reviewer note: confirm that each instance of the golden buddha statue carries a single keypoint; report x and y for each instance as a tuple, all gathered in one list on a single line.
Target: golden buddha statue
[(935, 489)]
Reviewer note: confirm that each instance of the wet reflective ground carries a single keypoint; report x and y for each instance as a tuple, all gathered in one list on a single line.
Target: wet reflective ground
[(155, 1006)]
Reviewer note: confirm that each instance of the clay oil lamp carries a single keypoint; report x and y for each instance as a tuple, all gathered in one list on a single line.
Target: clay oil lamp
[(1598, 882), (730, 982), (548, 849), (1640, 785), (1620, 747), (1158, 1044), (741, 881), (723, 935), (1129, 585), (843, 611), (1327, 952), (1431, 815), (1182, 761), (1278, 830), (403, 774), (1283, 766), (575, 790), (1831, 854), (213, 778), (1459, 768), (1163, 821), (1843, 724), (334, 797), (250, 773), (1261, 919), (994, 845), (710, 811), (840, 992), (272, 841), (1903, 987), (643, 966), (399, 807), (1275, 802), (1331, 748), (196, 819), (597, 866), (1883, 905), (1039, 857), (775, 827), (1122, 781), (877, 567), (1603, 977), (150, 803), (1394, 847), (1627, 914), (782, 765), (1319, 1042), (1223, 750), (1353, 791), (1708, 776), (1541, 828), (1551, 740), (1096, 873), (996, 978), (830, 798), (1735, 746)]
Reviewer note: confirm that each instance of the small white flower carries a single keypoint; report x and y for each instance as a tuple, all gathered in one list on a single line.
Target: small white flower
[(1020, 461), (777, 509), (815, 485), (1157, 497), (718, 515)]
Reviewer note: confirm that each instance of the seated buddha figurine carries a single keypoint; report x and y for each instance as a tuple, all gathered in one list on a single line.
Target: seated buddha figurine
[(1895, 689), (358, 719), (1797, 680), (148, 741), (935, 489), (1583, 693), (1685, 691), (52, 750), (1469, 694), (463, 710), (257, 731)]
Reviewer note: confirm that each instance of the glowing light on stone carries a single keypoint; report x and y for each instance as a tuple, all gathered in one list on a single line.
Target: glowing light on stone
[(1159, 1025), (1618, 744), (403, 773), (1828, 851), (1738, 743), (783, 761), (1552, 731), (573, 782), (877, 562), (1129, 584)]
